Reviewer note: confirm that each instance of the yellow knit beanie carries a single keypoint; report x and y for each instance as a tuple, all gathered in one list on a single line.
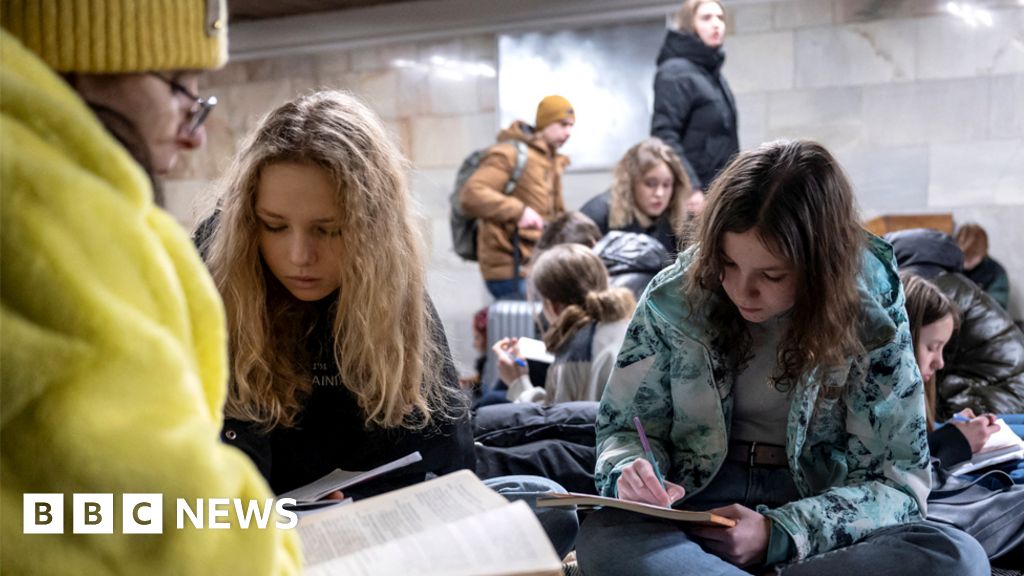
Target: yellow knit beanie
[(553, 109), (121, 36)]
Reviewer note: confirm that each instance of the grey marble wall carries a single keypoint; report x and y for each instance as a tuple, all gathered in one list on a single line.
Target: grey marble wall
[(925, 111)]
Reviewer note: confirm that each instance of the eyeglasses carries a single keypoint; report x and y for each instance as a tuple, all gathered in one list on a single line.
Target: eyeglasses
[(201, 107)]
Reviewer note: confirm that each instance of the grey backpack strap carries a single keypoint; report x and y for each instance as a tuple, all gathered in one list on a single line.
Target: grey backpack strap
[(521, 154)]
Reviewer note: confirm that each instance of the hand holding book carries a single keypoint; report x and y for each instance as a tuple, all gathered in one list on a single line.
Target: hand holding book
[(744, 544)]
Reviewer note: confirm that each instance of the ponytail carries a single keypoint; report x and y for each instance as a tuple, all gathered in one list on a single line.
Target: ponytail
[(572, 276)]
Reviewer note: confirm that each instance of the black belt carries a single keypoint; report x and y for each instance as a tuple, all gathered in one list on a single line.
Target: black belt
[(758, 454)]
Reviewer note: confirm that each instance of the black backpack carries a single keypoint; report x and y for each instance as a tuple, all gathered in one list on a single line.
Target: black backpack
[(464, 226)]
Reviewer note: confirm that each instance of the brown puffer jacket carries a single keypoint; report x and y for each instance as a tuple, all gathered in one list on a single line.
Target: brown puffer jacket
[(539, 187)]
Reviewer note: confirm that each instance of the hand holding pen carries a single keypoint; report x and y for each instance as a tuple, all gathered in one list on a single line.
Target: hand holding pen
[(511, 364), (641, 480), (976, 429)]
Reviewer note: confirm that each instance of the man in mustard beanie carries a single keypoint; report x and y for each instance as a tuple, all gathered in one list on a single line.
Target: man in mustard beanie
[(112, 337), (515, 191)]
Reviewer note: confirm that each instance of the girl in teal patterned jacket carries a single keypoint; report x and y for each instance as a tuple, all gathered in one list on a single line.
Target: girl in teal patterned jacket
[(772, 369)]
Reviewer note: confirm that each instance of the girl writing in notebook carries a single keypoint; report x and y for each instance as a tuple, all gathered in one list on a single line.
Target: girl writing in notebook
[(992, 511), (772, 369), (587, 319), (933, 319), (338, 359)]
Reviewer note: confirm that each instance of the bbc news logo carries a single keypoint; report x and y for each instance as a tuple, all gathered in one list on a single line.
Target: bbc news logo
[(143, 513)]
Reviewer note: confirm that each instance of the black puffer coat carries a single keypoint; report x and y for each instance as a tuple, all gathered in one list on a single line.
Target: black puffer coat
[(985, 358), (694, 111), (632, 259)]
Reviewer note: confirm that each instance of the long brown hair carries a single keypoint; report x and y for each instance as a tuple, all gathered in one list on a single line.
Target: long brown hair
[(380, 323), (572, 276), (797, 199), (637, 161), (683, 18), (927, 304)]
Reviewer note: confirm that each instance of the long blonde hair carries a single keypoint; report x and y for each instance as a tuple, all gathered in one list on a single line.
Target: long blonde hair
[(637, 161), (381, 326), (572, 276)]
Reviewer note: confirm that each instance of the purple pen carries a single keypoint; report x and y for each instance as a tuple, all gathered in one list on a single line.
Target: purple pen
[(648, 453)]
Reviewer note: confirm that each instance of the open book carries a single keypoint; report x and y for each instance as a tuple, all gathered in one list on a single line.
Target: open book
[(589, 501), (449, 526), (309, 497), (1002, 446)]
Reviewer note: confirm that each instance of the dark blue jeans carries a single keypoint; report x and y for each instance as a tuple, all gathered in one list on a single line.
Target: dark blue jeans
[(507, 289), (560, 524), (617, 542)]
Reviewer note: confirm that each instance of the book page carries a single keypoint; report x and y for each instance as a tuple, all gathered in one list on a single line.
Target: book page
[(341, 479), (1002, 446), (503, 540), (444, 523), (533, 349), (1001, 438)]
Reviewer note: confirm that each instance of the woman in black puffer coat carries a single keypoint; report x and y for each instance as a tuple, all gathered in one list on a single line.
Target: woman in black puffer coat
[(694, 110), (984, 360)]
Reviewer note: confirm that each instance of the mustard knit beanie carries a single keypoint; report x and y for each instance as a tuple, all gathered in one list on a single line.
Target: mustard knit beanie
[(553, 109), (121, 36)]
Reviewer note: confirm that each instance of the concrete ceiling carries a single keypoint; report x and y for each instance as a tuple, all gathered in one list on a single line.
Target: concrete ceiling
[(249, 10)]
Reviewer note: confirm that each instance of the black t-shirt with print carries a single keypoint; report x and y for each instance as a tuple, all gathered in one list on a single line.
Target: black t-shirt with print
[(331, 433)]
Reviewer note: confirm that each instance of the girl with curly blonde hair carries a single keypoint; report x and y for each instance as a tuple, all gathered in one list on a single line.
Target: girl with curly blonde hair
[(648, 196), (337, 357)]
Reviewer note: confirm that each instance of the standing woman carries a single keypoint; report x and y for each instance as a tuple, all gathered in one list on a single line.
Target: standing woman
[(649, 195), (113, 355), (338, 359), (694, 111)]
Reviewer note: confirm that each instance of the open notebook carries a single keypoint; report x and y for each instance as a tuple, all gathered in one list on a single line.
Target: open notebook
[(556, 500), (1002, 446), (310, 497)]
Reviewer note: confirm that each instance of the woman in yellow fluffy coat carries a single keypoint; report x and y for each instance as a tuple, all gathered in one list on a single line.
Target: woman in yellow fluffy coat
[(113, 341)]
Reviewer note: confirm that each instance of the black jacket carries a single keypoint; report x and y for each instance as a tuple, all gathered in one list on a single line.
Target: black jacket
[(694, 111), (597, 209), (985, 358), (632, 259)]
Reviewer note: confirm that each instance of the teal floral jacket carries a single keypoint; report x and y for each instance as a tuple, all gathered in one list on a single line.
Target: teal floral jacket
[(856, 435)]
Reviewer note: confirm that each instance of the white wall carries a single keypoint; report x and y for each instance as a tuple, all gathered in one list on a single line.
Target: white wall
[(925, 111)]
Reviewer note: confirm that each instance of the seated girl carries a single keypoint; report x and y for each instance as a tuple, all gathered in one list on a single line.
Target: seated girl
[(773, 371), (338, 359), (933, 319), (649, 195), (587, 319), (989, 508)]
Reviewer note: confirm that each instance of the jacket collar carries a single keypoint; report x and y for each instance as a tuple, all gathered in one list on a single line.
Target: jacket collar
[(692, 48)]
